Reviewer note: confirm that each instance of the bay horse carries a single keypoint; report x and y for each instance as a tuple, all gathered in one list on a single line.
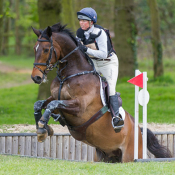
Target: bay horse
[(75, 100)]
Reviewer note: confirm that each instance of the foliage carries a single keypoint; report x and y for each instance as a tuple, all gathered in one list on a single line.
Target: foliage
[(7, 10), (166, 12), (23, 165), (28, 17), (167, 15)]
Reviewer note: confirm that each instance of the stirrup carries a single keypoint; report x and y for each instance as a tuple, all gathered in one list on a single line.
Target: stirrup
[(117, 128)]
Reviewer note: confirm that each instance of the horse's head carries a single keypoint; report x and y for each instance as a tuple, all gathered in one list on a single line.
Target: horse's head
[(45, 55)]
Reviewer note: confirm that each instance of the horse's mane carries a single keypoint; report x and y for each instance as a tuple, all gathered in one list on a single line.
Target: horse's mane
[(57, 28)]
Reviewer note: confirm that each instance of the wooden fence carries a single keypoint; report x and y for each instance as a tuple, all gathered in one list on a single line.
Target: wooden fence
[(167, 139), (62, 146)]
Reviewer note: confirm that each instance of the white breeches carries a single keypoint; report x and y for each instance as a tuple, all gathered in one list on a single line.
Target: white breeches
[(109, 69)]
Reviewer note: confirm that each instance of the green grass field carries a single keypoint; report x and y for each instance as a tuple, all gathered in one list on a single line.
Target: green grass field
[(19, 61), (21, 165), (16, 103), (16, 107)]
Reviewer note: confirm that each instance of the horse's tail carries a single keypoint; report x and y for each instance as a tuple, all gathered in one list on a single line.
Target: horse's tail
[(155, 148)]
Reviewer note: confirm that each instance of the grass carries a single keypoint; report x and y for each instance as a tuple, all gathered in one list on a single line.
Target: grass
[(20, 61), (29, 166), (161, 106), (8, 79), (16, 103)]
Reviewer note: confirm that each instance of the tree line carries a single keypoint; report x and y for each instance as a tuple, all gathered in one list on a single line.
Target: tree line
[(131, 22)]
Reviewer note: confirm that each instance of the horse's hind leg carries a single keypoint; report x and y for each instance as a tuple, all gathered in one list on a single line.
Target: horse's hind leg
[(100, 156), (128, 153)]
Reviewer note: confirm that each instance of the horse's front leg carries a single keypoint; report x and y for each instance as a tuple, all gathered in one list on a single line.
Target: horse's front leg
[(68, 106), (38, 106)]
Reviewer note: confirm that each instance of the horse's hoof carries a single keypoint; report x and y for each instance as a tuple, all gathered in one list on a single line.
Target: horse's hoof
[(41, 134), (49, 130)]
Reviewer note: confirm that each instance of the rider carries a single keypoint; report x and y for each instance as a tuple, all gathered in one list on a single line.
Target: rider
[(97, 45)]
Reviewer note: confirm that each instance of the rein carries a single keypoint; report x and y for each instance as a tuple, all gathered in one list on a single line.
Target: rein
[(47, 64), (50, 67), (74, 75), (78, 129)]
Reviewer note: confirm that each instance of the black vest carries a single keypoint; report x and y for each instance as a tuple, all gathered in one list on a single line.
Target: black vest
[(91, 39)]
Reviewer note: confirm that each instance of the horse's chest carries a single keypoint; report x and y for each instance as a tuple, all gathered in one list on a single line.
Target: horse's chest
[(64, 93)]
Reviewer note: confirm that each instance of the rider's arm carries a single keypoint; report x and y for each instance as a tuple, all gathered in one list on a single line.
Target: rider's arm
[(102, 53)]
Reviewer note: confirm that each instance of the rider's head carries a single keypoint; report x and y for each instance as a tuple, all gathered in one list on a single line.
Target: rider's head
[(87, 17)]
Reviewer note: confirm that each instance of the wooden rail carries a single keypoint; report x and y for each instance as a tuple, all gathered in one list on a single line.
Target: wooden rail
[(167, 139), (62, 146)]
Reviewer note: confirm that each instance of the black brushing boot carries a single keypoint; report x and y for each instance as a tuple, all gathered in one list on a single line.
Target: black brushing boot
[(117, 122)]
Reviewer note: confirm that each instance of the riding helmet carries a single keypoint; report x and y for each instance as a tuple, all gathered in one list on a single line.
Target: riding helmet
[(87, 13)]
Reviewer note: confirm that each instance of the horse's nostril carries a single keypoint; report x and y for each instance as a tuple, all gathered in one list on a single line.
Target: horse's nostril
[(37, 79)]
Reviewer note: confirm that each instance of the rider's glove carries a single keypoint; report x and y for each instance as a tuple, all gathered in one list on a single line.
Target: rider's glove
[(82, 47)]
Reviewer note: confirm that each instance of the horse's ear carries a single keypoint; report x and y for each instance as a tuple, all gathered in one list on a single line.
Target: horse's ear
[(37, 32), (49, 31)]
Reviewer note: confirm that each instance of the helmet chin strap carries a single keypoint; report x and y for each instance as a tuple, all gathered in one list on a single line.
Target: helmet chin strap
[(90, 25)]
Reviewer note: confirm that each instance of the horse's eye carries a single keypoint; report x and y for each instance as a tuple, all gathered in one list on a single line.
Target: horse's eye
[(46, 50)]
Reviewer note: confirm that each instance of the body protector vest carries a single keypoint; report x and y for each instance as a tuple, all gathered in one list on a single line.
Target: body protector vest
[(91, 43)]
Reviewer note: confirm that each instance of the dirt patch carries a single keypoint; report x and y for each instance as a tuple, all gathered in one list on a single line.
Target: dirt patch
[(160, 127), (21, 128), (59, 129), (8, 68)]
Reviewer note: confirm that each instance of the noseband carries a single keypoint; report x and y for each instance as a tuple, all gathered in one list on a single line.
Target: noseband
[(50, 66)]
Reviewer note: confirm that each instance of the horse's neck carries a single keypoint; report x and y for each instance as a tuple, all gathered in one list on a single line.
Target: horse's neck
[(76, 62)]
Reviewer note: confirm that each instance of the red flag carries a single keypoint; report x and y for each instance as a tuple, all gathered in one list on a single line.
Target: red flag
[(138, 80)]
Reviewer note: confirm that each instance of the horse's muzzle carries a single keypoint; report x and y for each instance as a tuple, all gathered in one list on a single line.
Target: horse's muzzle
[(37, 79)]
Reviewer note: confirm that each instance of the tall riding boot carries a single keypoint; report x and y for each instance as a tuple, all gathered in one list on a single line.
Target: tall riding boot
[(117, 122)]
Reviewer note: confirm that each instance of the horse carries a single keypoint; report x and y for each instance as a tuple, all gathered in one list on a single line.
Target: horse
[(75, 100)]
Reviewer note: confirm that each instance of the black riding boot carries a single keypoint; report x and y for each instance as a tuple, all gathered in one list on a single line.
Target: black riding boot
[(117, 122)]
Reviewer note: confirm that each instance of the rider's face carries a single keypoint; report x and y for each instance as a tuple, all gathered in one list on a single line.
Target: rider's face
[(84, 24)]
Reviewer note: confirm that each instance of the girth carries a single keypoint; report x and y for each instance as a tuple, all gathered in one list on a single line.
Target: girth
[(79, 132)]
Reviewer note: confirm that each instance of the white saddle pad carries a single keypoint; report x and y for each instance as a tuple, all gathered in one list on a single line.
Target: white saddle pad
[(103, 99)]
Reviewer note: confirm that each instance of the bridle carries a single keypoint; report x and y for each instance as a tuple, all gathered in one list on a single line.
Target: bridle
[(48, 65), (63, 60)]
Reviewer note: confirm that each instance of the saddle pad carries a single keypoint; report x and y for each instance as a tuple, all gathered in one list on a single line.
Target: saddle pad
[(103, 99)]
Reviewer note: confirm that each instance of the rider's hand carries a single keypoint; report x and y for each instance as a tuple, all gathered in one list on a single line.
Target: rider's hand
[(82, 47)]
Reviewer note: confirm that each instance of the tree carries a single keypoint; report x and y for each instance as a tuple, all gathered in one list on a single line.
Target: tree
[(1, 23), (7, 21), (125, 37), (155, 38), (17, 29), (68, 14), (51, 12)]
